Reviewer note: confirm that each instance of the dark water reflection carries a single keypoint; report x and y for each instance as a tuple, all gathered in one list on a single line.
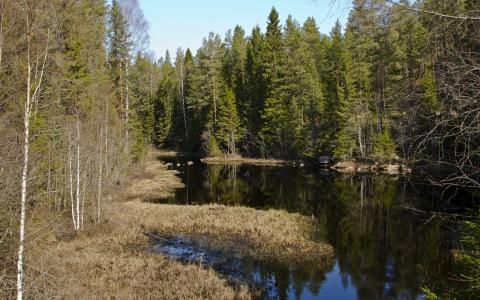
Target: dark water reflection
[(269, 280), (383, 250)]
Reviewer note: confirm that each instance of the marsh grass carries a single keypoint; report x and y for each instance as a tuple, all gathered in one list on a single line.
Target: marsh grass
[(111, 260), (244, 160)]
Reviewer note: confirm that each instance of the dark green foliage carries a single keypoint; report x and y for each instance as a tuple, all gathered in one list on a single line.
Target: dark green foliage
[(384, 148), (144, 78), (255, 88), (368, 91), (165, 98), (470, 256), (118, 52), (230, 129)]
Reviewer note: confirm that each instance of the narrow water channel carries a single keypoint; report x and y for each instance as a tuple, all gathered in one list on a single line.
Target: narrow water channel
[(386, 246)]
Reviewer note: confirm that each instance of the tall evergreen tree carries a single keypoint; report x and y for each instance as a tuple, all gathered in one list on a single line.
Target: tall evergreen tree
[(164, 102), (255, 89), (234, 69), (119, 48), (207, 90), (275, 113), (230, 129)]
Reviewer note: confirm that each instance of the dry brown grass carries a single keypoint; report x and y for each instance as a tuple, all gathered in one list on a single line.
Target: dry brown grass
[(244, 160), (230, 159), (111, 261), (272, 235), (151, 182)]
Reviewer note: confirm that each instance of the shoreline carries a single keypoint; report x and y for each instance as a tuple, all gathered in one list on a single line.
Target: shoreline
[(245, 160), (111, 259), (419, 168)]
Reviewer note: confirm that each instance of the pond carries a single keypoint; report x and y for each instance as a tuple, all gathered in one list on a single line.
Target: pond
[(387, 243)]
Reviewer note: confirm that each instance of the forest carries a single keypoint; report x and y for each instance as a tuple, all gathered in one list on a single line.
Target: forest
[(83, 99), (391, 85)]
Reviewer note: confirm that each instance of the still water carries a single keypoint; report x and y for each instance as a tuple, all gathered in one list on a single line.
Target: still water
[(387, 244)]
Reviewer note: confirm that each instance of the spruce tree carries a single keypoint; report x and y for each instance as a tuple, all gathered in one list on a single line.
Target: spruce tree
[(255, 86), (273, 54), (164, 102), (234, 70), (207, 90), (275, 112), (118, 53), (302, 92), (230, 129)]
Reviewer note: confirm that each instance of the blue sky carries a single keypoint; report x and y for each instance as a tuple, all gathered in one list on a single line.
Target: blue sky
[(177, 23)]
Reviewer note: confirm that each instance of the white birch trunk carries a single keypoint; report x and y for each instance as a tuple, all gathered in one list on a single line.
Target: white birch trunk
[(360, 143), (31, 98), (72, 199), (23, 200), (106, 138), (127, 107), (100, 169), (49, 179), (77, 196), (83, 197)]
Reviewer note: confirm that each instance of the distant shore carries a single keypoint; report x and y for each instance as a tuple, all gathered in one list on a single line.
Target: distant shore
[(244, 160)]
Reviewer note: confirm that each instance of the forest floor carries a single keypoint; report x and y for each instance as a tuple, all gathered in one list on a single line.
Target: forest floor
[(112, 260)]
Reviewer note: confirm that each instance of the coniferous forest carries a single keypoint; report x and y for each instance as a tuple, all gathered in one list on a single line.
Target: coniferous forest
[(82, 100), (390, 85)]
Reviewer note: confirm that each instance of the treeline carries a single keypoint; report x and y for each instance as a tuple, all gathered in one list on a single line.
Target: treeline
[(395, 83), (69, 117)]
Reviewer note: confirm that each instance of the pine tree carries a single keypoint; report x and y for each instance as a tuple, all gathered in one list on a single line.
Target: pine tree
[(207, 90), (361, 57)]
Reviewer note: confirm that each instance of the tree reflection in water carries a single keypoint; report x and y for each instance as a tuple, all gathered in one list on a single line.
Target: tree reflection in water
[(383, 250)]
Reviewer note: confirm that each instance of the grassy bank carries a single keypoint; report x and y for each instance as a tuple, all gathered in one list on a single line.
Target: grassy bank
[(244, 160), (111, 260), (227, 159)]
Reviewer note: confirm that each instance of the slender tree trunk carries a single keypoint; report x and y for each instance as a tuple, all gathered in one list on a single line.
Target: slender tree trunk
[(214, 104), (106, 138), (77, 196), (49, 179), (26, 147), (83, 197), (31, 98), (2, 14), (182, 90), (127, 107), (72, 199), (360, 142), (100, 170)]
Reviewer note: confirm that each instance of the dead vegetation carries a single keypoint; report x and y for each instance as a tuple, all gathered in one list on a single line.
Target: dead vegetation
[(244, 160), (111, 261)]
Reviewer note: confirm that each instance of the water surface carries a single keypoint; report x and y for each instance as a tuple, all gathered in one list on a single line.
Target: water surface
[(387, 243)]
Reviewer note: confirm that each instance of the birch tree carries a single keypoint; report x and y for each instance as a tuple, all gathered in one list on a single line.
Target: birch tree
[(34, 84)]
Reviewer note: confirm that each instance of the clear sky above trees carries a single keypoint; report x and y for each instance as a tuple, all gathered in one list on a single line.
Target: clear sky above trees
[(182, 23)]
